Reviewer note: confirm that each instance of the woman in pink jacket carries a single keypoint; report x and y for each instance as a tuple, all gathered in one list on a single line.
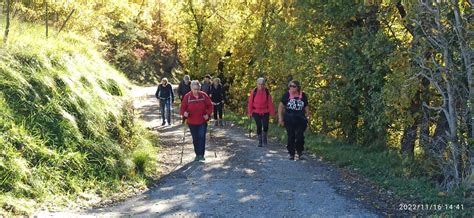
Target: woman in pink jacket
[(260, 107)]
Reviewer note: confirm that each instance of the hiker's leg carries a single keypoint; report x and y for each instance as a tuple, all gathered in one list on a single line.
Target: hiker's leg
[(194, 129), (299, 131), (219, 110), (202, 129), (258, 122), (215, 112), (265, 120), (290, 132), (168, 110), (162, 109)]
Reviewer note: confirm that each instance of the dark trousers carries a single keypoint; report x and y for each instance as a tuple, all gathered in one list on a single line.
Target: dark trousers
[(198, 132), (262, 122), (165, 103), (218, 111), (295, 133)]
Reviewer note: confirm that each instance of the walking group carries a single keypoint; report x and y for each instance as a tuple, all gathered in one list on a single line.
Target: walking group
[(200, 101)]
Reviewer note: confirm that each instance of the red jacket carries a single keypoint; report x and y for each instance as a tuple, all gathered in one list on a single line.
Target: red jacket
[(261, 104), (196, 107)]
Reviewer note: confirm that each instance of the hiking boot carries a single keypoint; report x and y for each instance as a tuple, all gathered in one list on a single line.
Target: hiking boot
[(265, 138), (260, 140), (201, 158), (163, 123), (300, 156), (292, 157), (197, 158)]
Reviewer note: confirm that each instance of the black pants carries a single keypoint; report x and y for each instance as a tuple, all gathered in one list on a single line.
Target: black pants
[(261, 121), (218, 111), (295, 132)]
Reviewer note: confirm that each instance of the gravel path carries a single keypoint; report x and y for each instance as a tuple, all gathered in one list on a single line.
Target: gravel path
[(237, 179)]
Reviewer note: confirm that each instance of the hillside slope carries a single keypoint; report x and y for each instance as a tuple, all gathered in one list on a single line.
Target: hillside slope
[(67, 132)]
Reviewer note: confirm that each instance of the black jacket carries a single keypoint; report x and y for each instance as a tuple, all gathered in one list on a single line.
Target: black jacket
[(206, 87), (164, 92), (217, 94), (183, 89)]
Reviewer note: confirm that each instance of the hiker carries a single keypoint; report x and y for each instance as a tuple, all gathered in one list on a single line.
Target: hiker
[(184, 87), (196, 107), (206, 84), (164, 93), (260, 107), (293, 113), (217, 95)]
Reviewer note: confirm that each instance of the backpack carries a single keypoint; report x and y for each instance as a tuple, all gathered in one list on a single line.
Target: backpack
[(255, 93)]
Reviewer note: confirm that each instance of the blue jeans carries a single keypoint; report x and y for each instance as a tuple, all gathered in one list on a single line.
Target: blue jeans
[(165, 103), (198, 132)]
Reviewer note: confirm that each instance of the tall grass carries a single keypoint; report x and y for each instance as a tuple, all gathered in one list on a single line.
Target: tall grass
[(66, 125)]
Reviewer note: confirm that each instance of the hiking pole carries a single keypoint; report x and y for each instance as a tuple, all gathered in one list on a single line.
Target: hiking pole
[(171, 112), (184, 138), (250, 128), (211, 139), (223, 114)]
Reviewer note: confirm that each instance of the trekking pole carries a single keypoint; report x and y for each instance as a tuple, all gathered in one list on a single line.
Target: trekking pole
[(184, 138), (211, 139), (171, 112), (250, 128), (223, 114)]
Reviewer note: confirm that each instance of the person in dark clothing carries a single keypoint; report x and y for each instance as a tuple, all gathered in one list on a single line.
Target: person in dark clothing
[(206, 84), (260, 107), (293, 113), (217, 95), (164, 93), (196, 108), (184, 87)]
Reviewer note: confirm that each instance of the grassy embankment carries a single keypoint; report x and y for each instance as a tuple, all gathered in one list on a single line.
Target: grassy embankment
[(68, 134)]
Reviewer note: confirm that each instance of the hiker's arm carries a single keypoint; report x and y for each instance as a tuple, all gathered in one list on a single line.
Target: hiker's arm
[(172, 94), (249, 105), (209, 107), (157, 93), (281, 109), (270, 106), (184, 105), (306, 108), (306, 111)]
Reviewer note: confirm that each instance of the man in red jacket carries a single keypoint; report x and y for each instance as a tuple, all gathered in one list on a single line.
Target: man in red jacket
[(196, 107), (260, 107)]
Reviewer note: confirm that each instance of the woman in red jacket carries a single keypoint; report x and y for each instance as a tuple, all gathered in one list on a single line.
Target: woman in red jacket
[(196, 107), (260, 107)]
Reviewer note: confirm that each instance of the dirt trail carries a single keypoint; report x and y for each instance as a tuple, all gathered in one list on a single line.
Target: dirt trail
[(237, 179)]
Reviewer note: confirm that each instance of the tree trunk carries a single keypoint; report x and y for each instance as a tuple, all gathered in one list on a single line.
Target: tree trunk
[(467, 59), (46, 17), (7, 26), (199, 30), (425, 114)]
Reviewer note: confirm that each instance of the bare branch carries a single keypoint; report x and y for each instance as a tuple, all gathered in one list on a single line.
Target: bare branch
[(439, 108)]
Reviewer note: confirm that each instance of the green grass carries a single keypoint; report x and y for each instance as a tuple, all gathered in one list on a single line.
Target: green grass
[(67, 128), (408, 179)]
